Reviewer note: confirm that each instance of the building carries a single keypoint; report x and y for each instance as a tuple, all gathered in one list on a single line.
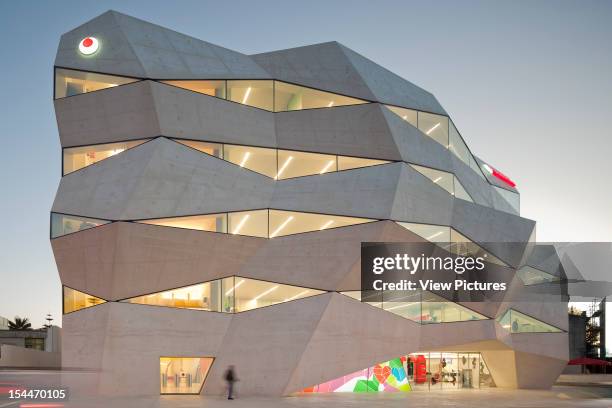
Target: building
[(212, 206), (4, 323)]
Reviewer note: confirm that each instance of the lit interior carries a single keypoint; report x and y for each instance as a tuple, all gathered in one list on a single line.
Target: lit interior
[(76, 158), (517, 322), (183, 375), (70, 82), (288, 97), (227, 295), (62, 224), (75, 300)]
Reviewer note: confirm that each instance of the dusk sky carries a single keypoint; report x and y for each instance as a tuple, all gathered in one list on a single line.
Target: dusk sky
[(527, 83)]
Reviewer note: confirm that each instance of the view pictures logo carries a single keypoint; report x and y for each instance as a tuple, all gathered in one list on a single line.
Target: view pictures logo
[(412, 264)]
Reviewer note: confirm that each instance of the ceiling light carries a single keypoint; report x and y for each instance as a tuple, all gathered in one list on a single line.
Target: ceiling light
[(433, 128), (438, 179), (329, 105), (283, 167), (245, 158), (297, 296), (241, 223), (283, 225), (246, 95), (326, 225), (273, 288), (327, 166), (401, 306), (434, 235), (234, 287)]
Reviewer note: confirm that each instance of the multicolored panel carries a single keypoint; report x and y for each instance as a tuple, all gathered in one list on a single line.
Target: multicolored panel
[(389, 376)]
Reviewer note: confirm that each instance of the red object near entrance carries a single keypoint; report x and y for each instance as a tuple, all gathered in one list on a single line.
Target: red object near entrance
[(420, 369)]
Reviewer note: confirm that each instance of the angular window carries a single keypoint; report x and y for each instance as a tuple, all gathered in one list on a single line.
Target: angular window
[(296, 164), (347, 163), (253, 294), (512, 198), (75, 300), (451, 240), (436, 309), (251, 223), (63, 224), (213, 149), (257, 93), (210, 222), (69, 82), (458, 147), (532, 276), (408, 115), (404, 304), (420, 307), (214, 296), (460, 191), (463, 246), (431, 233), (34, 343), (76, 158), (183, 375), (290, 222), (258, 159), (289, 97), (517, 322), (211, 88), (434, 126), (441, 178)]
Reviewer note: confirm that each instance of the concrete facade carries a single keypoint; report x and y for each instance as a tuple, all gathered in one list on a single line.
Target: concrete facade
[(112, 257)]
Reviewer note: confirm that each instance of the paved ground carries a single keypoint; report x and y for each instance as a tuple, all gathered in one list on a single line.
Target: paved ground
[(560, 396)]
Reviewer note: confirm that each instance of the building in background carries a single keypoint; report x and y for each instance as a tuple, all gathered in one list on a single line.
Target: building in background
[(212, 207), (4, 323)]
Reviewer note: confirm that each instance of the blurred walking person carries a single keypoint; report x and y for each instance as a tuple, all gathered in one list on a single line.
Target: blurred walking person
[(230, 377)]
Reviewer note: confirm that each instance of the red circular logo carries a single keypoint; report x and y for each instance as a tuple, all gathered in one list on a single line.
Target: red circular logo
[(87, 42)]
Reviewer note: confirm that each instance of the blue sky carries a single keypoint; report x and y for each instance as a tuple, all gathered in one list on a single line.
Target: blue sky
[(527, 83)]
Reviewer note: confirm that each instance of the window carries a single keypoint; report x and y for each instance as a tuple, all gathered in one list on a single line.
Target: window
[(512, 198), (252, 294), (76, 158), (460, 192), (289, 97), (532, 276), (347, 163), (228, 295), (75, 300), (451, 240), (463, 246), (517, 322), (434, 126), (251, 223), (280, 164), (69, 82), (420, 307), (210, 222), (211, 88), (436, 309), (458, 147), (214, 296), (441, 178), (296, 164), (258, 159), (63, 224), (408, 115), (183, 375), (34, 343), (431, 233), (213, 149), (290, 222), (257, 93)]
